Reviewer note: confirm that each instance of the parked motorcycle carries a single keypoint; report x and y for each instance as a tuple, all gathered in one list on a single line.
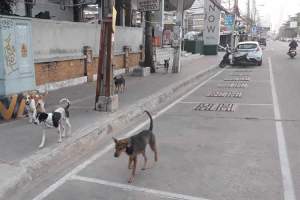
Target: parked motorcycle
[(292, 53), (226, 58)]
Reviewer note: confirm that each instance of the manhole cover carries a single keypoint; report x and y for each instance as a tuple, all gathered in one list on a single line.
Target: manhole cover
[(232, 94), (243, 78), (234, 85), (223, 107)]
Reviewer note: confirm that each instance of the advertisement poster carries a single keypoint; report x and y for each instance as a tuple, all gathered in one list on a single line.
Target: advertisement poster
[(211, 34)]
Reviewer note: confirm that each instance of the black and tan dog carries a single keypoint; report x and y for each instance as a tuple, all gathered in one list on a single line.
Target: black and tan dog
[(166, 65), (119, 83), (135, 145)]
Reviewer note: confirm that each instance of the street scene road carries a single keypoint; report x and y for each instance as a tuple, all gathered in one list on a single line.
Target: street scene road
[(239, 145), (149, 99)]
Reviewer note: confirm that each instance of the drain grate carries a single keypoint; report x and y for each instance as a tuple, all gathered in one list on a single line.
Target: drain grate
[(232, 94), (234, 85), (243, 78), (223, 107)]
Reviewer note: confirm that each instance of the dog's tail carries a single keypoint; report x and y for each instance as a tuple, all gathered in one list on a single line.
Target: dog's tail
[(151, 120)]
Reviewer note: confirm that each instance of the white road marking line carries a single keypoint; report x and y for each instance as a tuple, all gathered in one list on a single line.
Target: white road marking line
[(239, 104), (288, 186), (132, 188), (246, 69), (249, 81), (80, 167)]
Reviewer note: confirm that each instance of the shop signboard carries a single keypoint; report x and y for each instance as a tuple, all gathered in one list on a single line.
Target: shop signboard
[(148, 5)]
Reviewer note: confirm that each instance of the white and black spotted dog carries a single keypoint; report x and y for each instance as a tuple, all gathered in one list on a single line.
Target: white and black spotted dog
[(57, 119)]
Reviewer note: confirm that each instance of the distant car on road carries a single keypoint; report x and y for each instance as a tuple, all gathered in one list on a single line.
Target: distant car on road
[(262, 41), (247, 53)]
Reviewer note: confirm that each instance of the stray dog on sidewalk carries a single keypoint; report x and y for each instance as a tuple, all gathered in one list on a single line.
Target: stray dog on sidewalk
[(34, 103), (119, 83), (166, 65), (56, 119), (135, 145)]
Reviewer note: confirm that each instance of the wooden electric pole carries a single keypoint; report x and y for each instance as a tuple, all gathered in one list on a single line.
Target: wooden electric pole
[(28, 8), (148, 43), (77, 11), (176, 68), (235, 12), (105, 100)]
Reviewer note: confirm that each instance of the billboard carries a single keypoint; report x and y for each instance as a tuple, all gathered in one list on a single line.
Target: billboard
[(229, 20), (211, 33), (148, 5)]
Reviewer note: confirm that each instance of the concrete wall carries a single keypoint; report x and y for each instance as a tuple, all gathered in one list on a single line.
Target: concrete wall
[(59, 40), (130, 36), (58, 49)]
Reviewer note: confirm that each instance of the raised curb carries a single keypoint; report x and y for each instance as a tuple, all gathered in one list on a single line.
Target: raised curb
[(86, 138)]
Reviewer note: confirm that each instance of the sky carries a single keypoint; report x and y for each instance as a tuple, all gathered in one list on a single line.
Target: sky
[(274, 12)]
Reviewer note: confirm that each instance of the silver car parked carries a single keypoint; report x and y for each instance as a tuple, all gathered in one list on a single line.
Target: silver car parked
[(247, 53)]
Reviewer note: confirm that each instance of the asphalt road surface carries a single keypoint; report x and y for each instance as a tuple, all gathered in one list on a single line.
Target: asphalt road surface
[(233, 137)]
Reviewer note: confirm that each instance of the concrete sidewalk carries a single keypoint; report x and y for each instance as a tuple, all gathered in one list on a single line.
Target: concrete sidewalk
[(22, 161)]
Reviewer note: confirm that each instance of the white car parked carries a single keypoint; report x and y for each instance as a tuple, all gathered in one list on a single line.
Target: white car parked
[(247, 53)]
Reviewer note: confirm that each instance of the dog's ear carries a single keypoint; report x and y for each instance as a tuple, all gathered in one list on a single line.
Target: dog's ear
[(115, 140)]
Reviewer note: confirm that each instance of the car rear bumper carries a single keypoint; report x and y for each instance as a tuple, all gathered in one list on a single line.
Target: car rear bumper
[(246, 61)]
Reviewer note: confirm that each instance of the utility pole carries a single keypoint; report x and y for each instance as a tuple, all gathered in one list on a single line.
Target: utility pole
[(105, 100), (178, 37), (28, 8), (254, 11), (148, 43), (235, 8), (249, 21), (77, 11), (248, 9)]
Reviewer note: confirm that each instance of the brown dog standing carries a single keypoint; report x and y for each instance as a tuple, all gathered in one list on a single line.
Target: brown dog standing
[(135, 145)]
